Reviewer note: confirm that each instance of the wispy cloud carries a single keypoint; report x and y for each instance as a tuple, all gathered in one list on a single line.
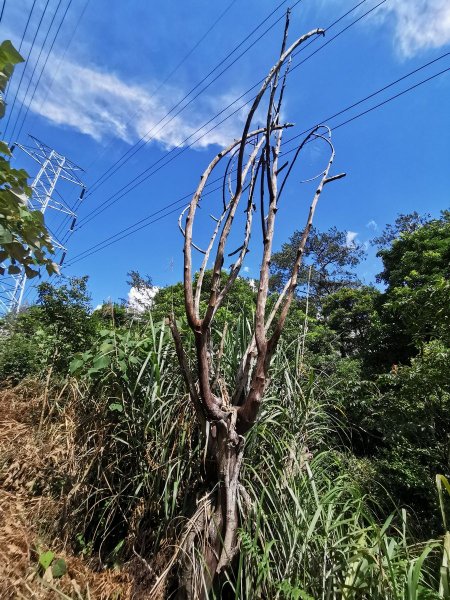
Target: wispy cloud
[(419, 24), (373, 225), (350, 238), (103, 106)]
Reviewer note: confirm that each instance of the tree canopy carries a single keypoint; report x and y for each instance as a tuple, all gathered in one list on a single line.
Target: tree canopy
[(328, 264)]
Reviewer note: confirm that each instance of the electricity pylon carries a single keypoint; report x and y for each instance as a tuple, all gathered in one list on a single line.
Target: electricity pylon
[(53, 167)]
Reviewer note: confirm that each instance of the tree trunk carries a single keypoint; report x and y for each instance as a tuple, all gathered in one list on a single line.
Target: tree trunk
[(212, 540)]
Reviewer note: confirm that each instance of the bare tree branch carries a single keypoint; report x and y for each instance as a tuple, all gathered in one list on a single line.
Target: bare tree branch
[(288, 292), (261, 93)]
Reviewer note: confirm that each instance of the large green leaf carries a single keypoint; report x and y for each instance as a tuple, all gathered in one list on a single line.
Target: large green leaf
[(45, 559), (59, 568)]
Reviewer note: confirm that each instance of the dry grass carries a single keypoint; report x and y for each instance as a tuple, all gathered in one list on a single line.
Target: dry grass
[(37, 467)]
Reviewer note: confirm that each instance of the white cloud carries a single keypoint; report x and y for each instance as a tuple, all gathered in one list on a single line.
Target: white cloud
[(372, 225), (246, 269), (350, 238), (419, 24), (140, 300), (252, 284), (103, 106)]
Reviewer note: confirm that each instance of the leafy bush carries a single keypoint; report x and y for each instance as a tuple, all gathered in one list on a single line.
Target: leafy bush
[(19, 357)]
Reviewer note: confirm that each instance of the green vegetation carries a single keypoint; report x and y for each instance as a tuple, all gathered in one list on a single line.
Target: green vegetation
[(340, 470), (24, 240)]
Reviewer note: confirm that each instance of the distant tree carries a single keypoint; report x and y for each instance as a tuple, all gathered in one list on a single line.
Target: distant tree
[(169, 299), (240, 301), (50, 332), (410, 418), (328, 257), (416, 270), (398, 405), (111, 314), (136, 280), (418, 255), (352, 313), (65, 311), (403, 224)]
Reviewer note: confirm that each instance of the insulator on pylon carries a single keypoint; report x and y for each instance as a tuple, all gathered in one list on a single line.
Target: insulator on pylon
[(62, 258), (82, 193), (12, 148), (74, 220)]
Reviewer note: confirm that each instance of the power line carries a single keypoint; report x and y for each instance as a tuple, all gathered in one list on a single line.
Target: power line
[(165, 80), (141, 223), (122, 231), (8, 85), (375, 93), (34, 69), (26, 65), (27, 23), (134, 181), (74, 208), (74, 30), (136, 147), (43, 67), (365, 112), (3, 10), (144, 140)]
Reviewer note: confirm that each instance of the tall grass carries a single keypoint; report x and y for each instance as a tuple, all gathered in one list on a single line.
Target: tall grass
[(307, 531), (138, 446)]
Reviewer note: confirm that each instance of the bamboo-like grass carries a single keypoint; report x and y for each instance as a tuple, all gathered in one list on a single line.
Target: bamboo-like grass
[(307, 530)]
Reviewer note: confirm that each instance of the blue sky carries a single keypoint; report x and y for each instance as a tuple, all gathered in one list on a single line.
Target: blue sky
[(103, 88)]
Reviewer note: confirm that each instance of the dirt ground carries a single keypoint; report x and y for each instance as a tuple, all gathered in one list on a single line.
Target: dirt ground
[(34, 454)]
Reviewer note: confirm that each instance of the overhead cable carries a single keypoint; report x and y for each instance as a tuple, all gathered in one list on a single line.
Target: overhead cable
[(141, 223), (182, 146)]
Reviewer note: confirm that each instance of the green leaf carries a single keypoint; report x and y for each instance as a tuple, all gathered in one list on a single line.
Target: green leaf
[(75, 364), (101, 362), (106, 347), (51, 268), (45, 559), (4, 148), (9, 55), (59, 568), (5, 236), (441, 480), (122, 365), (115, 406), (30, 273), (13, 270)]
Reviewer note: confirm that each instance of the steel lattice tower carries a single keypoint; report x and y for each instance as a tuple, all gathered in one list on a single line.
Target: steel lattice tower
[(53, 167)]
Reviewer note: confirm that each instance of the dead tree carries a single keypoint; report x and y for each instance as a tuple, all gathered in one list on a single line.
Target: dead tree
[(227, 412)]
